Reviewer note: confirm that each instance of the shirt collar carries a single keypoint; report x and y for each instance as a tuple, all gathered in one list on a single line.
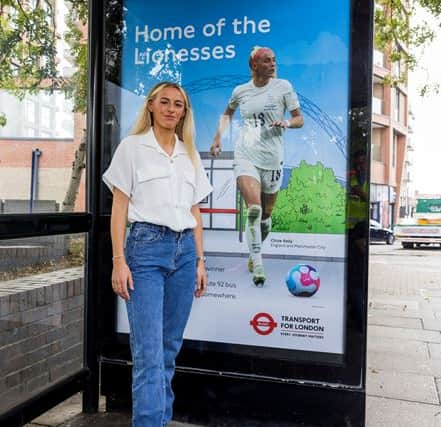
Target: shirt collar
[(149, 140)]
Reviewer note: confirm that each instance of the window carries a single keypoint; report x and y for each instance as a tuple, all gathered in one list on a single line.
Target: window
[(29, 111), (44, 112), (376, 144), (394, 150), (45, 116), (397, 105), (29, 131)]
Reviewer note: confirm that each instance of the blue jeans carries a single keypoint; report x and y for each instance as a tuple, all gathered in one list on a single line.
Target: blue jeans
[(163, 266)]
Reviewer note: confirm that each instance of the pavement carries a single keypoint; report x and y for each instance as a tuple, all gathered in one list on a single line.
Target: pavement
[(404, 347)]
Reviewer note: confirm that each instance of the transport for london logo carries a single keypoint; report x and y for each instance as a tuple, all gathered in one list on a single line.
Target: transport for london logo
[(263, 323)]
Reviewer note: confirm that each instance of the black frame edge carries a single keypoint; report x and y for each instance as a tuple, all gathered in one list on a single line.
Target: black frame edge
[(94, 124)]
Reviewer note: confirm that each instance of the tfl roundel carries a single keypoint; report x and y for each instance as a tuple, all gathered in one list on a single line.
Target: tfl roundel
[(263, 323)]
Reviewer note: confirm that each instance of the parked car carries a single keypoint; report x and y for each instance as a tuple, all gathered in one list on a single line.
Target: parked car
[(378, 233)]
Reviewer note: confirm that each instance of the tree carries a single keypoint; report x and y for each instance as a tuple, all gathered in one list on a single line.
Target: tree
[(28, 40), (399, 34)]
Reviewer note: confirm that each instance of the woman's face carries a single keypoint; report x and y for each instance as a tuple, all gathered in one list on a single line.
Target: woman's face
[(167, 107), (265, 63)]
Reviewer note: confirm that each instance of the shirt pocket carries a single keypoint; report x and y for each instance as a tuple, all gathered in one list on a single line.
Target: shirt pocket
[(188, 189), (153, 185)]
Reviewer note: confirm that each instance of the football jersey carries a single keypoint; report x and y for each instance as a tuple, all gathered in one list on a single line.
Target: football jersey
[(259, 142)]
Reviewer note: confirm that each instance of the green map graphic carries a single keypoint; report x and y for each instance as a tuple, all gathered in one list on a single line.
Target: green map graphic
[(313, 202)]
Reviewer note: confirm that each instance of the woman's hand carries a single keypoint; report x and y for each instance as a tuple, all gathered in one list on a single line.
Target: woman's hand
[(121, 278), (216, 147), (280, 124), (201, 279)]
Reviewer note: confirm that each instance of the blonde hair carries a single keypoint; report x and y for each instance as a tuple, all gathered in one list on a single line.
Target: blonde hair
[(255, 52), (185, 128)]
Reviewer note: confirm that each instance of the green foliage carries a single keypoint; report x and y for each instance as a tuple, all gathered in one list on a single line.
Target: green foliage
[(76, 86), (313, 202), (27, 46), (397, 33), (28, 40), (2, 119)]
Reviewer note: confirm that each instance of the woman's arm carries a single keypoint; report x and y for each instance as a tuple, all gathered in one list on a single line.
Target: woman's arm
[(201, 275), (224, 122), (121, 276), (295, 121)]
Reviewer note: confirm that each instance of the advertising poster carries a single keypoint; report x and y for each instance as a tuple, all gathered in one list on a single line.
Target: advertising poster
[(206, 48)]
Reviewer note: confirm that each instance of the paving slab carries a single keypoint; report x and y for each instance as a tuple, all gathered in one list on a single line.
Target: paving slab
[(394, 304), (432, 324), (435, 350), (404, 333), (435, 303), (438, 387), (397, 346), (114, 419), (398, 385), (60, 413), (405, 363), (395, 322), (414, 314), (383, 412)]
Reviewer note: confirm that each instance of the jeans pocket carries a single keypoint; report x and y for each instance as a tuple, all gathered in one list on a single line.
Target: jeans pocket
[(148, 234)]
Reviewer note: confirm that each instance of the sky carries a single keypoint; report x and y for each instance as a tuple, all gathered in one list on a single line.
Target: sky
[(427, 111)]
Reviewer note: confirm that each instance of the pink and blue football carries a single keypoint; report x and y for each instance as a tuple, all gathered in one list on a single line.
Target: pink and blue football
[(303, 280)]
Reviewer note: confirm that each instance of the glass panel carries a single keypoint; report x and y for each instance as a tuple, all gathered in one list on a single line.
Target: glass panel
[(52, 109), (377, 105), (292, 317), (376, 144), (41, 314), (397, 105), (39, 150), (378, 58)]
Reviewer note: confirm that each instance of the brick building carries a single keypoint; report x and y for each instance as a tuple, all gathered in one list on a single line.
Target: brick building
[(389, 141), (53, 169)]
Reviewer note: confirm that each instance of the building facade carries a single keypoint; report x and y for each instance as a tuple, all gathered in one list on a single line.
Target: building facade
[(39, 141), (389, 141)]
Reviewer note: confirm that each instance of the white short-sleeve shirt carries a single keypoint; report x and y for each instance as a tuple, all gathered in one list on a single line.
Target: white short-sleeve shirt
[(259, 142), (161, 188)]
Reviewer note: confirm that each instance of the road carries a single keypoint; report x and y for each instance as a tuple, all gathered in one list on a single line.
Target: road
[(416, 269)]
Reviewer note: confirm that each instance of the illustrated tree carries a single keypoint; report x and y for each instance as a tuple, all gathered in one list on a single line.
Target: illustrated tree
[(313, 202)]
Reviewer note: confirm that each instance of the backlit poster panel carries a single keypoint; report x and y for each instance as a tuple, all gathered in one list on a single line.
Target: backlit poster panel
[(206, 47)]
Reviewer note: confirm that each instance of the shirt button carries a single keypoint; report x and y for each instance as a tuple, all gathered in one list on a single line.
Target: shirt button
[(172, 161)]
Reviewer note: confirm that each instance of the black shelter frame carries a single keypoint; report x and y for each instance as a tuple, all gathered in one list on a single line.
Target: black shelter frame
[(234, 384)]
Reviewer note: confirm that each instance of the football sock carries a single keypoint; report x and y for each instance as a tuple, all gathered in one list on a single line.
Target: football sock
[(265, 227), (253, 234)]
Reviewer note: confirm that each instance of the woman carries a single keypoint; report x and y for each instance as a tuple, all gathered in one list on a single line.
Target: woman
[(157, 180), (258, 155)]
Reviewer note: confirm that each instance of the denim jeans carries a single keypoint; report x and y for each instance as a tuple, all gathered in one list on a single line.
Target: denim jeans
[(163, 266)]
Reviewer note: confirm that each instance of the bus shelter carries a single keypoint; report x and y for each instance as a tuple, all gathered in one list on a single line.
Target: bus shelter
[(294, 351)]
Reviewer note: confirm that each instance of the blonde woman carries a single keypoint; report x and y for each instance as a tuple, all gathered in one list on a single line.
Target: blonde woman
[(258, 155), (157, 180)]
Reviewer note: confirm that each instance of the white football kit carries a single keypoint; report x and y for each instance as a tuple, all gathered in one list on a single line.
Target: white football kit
[(259, 142)]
